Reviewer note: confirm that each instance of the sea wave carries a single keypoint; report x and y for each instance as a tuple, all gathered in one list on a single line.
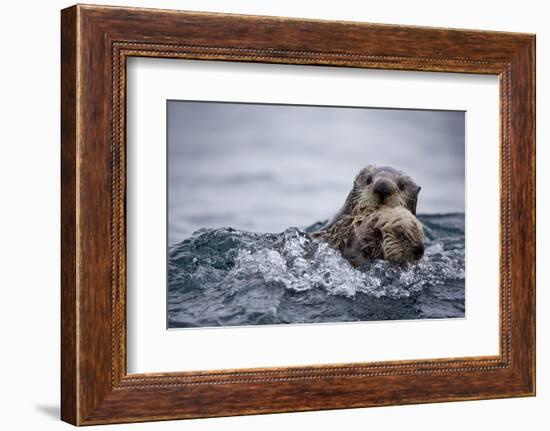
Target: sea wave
[(227, 276)]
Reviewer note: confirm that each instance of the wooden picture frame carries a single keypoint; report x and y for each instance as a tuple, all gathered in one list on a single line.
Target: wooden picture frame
[(95, 43)]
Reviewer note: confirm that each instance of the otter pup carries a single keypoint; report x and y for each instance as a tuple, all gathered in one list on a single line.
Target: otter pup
[(377, 187), (390, 233)]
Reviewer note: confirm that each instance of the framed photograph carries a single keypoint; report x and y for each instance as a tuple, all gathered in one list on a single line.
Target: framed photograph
[(264, 214)]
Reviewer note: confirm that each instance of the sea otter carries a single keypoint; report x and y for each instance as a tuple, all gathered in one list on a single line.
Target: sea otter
[(390, 197)]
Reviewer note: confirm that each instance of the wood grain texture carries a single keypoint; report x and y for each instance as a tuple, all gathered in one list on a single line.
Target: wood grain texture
[(96, 41)]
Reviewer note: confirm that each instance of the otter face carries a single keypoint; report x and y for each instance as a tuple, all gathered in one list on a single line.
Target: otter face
[(392, 234), (403, 245), (377, 186)]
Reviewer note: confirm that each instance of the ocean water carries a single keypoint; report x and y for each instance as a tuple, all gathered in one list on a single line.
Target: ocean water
[(227, 277)]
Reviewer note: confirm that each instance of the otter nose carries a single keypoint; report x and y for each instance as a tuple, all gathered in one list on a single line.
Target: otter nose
[(383, 188), (418, 251)]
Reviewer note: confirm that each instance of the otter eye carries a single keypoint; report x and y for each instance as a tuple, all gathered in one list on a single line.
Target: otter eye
[(369, 180)]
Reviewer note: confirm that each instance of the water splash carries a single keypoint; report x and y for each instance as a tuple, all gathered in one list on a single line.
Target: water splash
[(226, 276)]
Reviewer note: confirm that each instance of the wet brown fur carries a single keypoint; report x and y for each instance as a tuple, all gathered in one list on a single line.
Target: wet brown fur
[(392, 234), (365, 229)]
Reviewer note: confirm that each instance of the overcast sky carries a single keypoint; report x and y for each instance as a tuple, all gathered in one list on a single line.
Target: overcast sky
[(267, 167)]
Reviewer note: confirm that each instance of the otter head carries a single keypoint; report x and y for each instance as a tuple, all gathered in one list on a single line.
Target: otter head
[(392, 234), (383, 186)]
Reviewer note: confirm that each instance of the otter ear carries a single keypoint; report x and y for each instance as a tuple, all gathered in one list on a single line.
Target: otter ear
[(413, 199)]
